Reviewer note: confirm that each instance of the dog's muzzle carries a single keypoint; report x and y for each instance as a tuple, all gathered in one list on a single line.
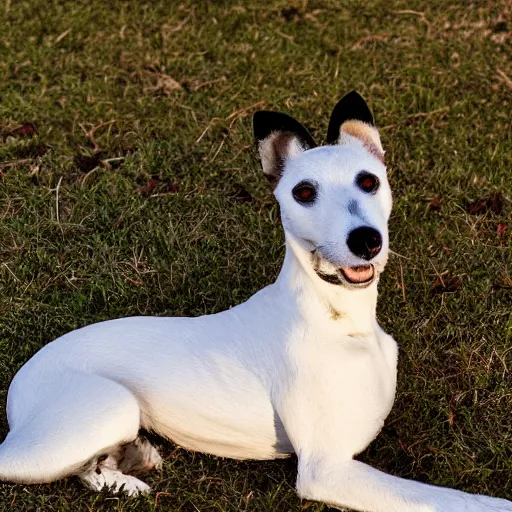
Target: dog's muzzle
[(359, 276)]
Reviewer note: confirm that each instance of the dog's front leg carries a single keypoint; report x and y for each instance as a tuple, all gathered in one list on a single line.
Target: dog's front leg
[(355, 485), (325, 435)]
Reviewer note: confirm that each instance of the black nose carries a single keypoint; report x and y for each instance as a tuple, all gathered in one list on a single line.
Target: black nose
[(365, 242)]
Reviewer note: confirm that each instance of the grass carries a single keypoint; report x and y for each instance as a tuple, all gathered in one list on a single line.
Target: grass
[(129, 185)]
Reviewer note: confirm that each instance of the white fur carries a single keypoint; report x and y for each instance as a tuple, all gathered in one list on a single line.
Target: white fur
[(115, 481), (301, 366)]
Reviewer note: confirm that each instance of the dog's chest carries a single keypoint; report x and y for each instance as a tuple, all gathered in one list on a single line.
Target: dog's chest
[(348, 384)]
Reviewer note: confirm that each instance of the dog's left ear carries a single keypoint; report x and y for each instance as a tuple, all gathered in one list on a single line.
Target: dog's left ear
[(352, 117), (278, 137)]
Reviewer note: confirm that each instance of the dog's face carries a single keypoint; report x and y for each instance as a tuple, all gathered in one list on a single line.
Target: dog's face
[(335, 200)]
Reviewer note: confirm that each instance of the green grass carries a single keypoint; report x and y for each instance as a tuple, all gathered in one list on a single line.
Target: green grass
[(139, 192)]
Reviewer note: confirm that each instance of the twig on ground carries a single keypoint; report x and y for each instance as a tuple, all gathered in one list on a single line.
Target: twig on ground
[(90, 133), (439, 276), (197, 87), (62, 36), (11, 272), (214, 120), (504, 77), (11, 163), (402, 282), (244, 111), (285, 36), (421, 16), (362, 42), (57, 189), (398, 254)]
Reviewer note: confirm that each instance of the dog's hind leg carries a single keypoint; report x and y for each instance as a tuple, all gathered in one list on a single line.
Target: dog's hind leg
[(60, 425)]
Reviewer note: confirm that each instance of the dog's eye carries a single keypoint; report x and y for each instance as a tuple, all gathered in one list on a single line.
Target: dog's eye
[(304, 192), (367, 182)]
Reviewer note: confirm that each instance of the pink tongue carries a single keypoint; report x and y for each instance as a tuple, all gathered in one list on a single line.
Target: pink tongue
[(359, 274)]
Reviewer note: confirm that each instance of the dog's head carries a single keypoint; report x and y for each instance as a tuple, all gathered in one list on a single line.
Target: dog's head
[(335, 199)]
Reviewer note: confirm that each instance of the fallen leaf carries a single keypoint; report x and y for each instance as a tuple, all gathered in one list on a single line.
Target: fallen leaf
[(164, 83), (435, 203), (25, 130), (168, 83), (156, 185), (172, 187), (149, 187), (446, 284), (501, 230), (496, 203), (135, 282), (505, 282), (493, 203)]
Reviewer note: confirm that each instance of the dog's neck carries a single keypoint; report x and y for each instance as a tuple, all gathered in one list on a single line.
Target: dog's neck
[(321, 301)]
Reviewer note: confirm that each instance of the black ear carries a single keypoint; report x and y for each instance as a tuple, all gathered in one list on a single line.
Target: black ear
[(277, 137), (265, 122), (351, 107)]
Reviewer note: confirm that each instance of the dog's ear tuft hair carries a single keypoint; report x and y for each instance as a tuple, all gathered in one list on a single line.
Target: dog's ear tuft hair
[(278, 136), (350, 118)]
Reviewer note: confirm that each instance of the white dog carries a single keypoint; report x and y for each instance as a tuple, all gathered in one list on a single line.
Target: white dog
[(302, 366)]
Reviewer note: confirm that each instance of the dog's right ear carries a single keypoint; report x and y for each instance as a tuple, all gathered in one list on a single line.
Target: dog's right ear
[(352, 118), (278, 137)]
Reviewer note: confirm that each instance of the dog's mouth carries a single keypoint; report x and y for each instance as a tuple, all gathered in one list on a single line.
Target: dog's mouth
[(358, 275)]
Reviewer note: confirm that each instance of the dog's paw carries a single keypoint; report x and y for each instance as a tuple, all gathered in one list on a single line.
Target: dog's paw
[(452, 500), (463, 502), (115, 481), (132, 486)]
